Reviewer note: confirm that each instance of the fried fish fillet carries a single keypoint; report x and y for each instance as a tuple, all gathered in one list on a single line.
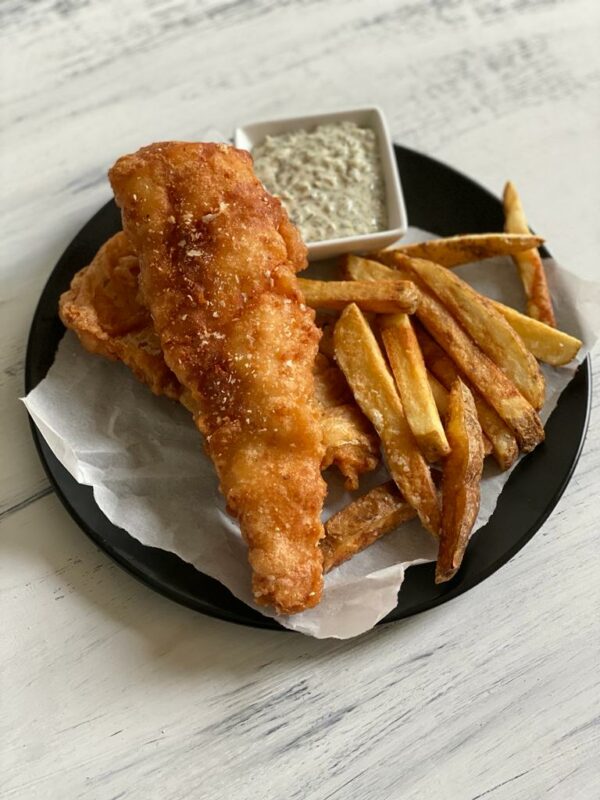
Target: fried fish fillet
[(104, 308), (218, 258), (349, 438)]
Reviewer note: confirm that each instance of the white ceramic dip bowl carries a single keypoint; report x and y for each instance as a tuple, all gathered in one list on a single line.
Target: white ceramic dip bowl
[(249, 136)]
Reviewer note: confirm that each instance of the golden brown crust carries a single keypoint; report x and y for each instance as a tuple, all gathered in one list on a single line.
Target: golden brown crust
[(363, 364), (384, 297), (218, 257), (489, 379), (362, 522), (103, 308), (482, 372), (486, 326), (503, 443), (455, 250), (350, 442), (460, 482), (408, 368), (529, 263)]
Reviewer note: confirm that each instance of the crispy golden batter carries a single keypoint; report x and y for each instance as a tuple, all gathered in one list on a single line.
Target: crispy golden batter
[(348, 436), (217, 261), (104, 308)]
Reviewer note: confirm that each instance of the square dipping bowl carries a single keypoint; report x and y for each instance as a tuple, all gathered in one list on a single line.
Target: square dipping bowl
[(249, 136)]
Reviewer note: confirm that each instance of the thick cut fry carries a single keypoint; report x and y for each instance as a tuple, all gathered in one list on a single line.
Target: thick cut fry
[(491, 382), (460, 481), (486, 326), (440, 395), (409, 372), (362, 522), (456, 250), (544, 342), (384, 298), (504, 444), (529, 263), (362, 362)]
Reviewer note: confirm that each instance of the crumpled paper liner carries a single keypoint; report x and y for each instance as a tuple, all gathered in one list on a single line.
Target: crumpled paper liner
[(144, 460)]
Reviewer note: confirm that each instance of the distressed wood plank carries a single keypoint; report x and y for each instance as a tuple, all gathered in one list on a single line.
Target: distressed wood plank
[(112, 691)]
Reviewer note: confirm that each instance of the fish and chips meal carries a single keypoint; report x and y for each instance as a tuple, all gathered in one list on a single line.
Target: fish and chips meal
[(395, 358)]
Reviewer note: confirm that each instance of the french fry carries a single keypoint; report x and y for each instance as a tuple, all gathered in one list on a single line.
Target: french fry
[(362, 362), (357, 268), (384, 298), (547, 344), (491, 382), (408, 369), (504, 445), (440, 395), (455, 250), (529, 263), (362, 522), (460, 481), (486, 326)]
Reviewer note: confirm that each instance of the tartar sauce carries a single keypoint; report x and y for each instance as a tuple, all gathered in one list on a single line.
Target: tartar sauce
[(329, 179)]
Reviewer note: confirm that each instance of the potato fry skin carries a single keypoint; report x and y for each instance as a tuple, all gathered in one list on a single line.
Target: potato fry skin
[(460, 481), (362, 522), (486, 326), (529, 263), (550, 345), (488, 378), (382, 298), (362, 362), (503, 443), (440, 394), (547, 344), (455, 250), (408, 369)]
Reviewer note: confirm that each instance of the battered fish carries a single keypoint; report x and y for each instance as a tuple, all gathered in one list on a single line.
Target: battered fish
[(104, 308), (351, 443), (218, 258)]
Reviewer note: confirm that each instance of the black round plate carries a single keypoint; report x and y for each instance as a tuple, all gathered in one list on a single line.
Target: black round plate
[(439, 199)]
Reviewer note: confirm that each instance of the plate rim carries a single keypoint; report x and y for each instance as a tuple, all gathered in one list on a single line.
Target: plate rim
[(259, 621)]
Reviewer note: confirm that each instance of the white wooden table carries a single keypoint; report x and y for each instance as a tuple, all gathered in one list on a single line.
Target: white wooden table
[(110, 691)]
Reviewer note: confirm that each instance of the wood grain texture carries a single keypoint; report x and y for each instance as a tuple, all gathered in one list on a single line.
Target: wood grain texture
[(108, 690)]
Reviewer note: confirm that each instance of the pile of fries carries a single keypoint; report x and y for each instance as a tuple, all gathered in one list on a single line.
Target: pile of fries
[(444, 376)]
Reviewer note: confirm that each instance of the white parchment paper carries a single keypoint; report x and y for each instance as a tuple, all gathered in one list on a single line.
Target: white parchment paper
[(144, 459)]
